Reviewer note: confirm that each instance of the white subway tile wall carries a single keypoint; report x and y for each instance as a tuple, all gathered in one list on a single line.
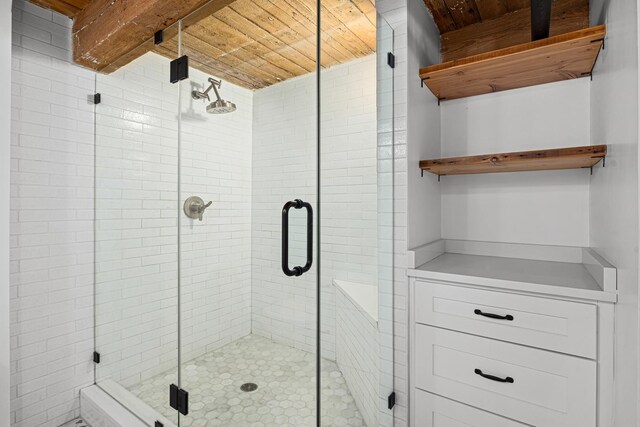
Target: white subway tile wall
[(136, 222), (215, 165), (137, 217), (51, 221), (348, 187), (284, 158), (357, 355)]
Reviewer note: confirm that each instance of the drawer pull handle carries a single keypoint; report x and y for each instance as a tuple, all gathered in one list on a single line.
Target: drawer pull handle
[(494, 378), (493, 316)]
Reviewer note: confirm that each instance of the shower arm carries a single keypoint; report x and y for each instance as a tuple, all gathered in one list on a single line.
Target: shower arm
[(215, 84)]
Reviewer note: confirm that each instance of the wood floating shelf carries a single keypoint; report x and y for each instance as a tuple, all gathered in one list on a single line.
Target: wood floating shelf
[(552, 159), (562, 57)]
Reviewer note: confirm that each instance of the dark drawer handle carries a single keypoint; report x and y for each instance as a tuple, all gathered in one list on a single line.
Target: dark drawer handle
[(493, 378), (493, 316)]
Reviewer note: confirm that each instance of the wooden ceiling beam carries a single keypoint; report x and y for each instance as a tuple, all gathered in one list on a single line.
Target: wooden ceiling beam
[(452, 15), (441, 15), (463, 12), (511, 29), (107, 30), (69, 8)]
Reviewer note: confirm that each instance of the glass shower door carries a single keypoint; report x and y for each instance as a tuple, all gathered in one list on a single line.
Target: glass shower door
[(248, 214)]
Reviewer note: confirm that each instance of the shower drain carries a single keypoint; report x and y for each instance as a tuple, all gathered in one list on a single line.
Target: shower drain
[(249, 387)]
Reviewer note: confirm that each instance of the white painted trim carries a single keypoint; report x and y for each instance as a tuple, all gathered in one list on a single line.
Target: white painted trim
[(425, 253), (515, 250), (514, 286), (599, 268), (5, 166), (606, 360)]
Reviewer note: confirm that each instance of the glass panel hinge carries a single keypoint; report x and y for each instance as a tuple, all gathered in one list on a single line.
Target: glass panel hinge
[(179, 399)]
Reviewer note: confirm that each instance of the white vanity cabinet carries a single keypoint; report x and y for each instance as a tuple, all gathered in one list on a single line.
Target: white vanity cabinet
[(510, 341)]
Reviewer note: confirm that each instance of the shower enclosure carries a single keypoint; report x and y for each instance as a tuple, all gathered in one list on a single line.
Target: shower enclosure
[(244, 219)]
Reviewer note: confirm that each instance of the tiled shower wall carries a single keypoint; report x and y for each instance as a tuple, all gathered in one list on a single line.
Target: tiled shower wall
[(284, 158), (52, 212), (51, 221), (357, 355), (136, 221)]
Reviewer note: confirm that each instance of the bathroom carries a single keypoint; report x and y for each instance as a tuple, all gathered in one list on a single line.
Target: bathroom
[(282, 212)]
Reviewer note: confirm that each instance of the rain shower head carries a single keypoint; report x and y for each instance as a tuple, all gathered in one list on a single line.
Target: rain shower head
[(219, 106)]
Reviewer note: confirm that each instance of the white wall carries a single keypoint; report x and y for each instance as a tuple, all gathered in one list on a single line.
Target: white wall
[(284, 158), (216, 164), (550, 208), (614, 189), (5, 167), (423, 128), (137, 243), (136, 281), (51, 221)]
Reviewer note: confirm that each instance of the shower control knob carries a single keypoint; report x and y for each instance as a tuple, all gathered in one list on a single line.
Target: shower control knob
[(194, 207)]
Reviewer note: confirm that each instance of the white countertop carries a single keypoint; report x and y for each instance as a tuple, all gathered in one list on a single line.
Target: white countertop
[(566, 279)]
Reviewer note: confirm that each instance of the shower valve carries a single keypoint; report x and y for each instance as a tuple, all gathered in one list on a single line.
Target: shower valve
[(194, 207)]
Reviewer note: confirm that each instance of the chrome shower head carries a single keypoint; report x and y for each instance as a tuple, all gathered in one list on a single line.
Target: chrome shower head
[(219, 106)]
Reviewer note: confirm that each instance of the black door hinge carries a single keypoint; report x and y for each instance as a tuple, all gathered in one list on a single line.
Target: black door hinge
[(391, 60), (158, 37), (158, 424), (391, 400), (95, 98), (96, 357), (179, 399), (179, 69)]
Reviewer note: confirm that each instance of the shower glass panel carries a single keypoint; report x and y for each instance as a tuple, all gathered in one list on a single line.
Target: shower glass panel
[(356, 190), (248, 282), (219, 272), (136, 236), (386, 151)]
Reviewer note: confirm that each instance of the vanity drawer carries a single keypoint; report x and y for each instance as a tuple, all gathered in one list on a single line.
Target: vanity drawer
[(436, 411), (563, 326), (533, 386)]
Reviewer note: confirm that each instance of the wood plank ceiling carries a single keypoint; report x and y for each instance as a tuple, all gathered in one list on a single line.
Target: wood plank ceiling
[(257, 43)]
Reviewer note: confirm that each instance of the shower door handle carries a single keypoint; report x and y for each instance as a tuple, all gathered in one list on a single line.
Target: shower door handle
[(296, 271)]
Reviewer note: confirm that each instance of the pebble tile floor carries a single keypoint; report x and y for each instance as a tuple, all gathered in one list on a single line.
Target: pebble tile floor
[(286, 388)]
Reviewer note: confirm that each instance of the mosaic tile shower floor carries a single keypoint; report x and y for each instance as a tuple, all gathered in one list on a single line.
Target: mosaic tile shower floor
[(285, 394)]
